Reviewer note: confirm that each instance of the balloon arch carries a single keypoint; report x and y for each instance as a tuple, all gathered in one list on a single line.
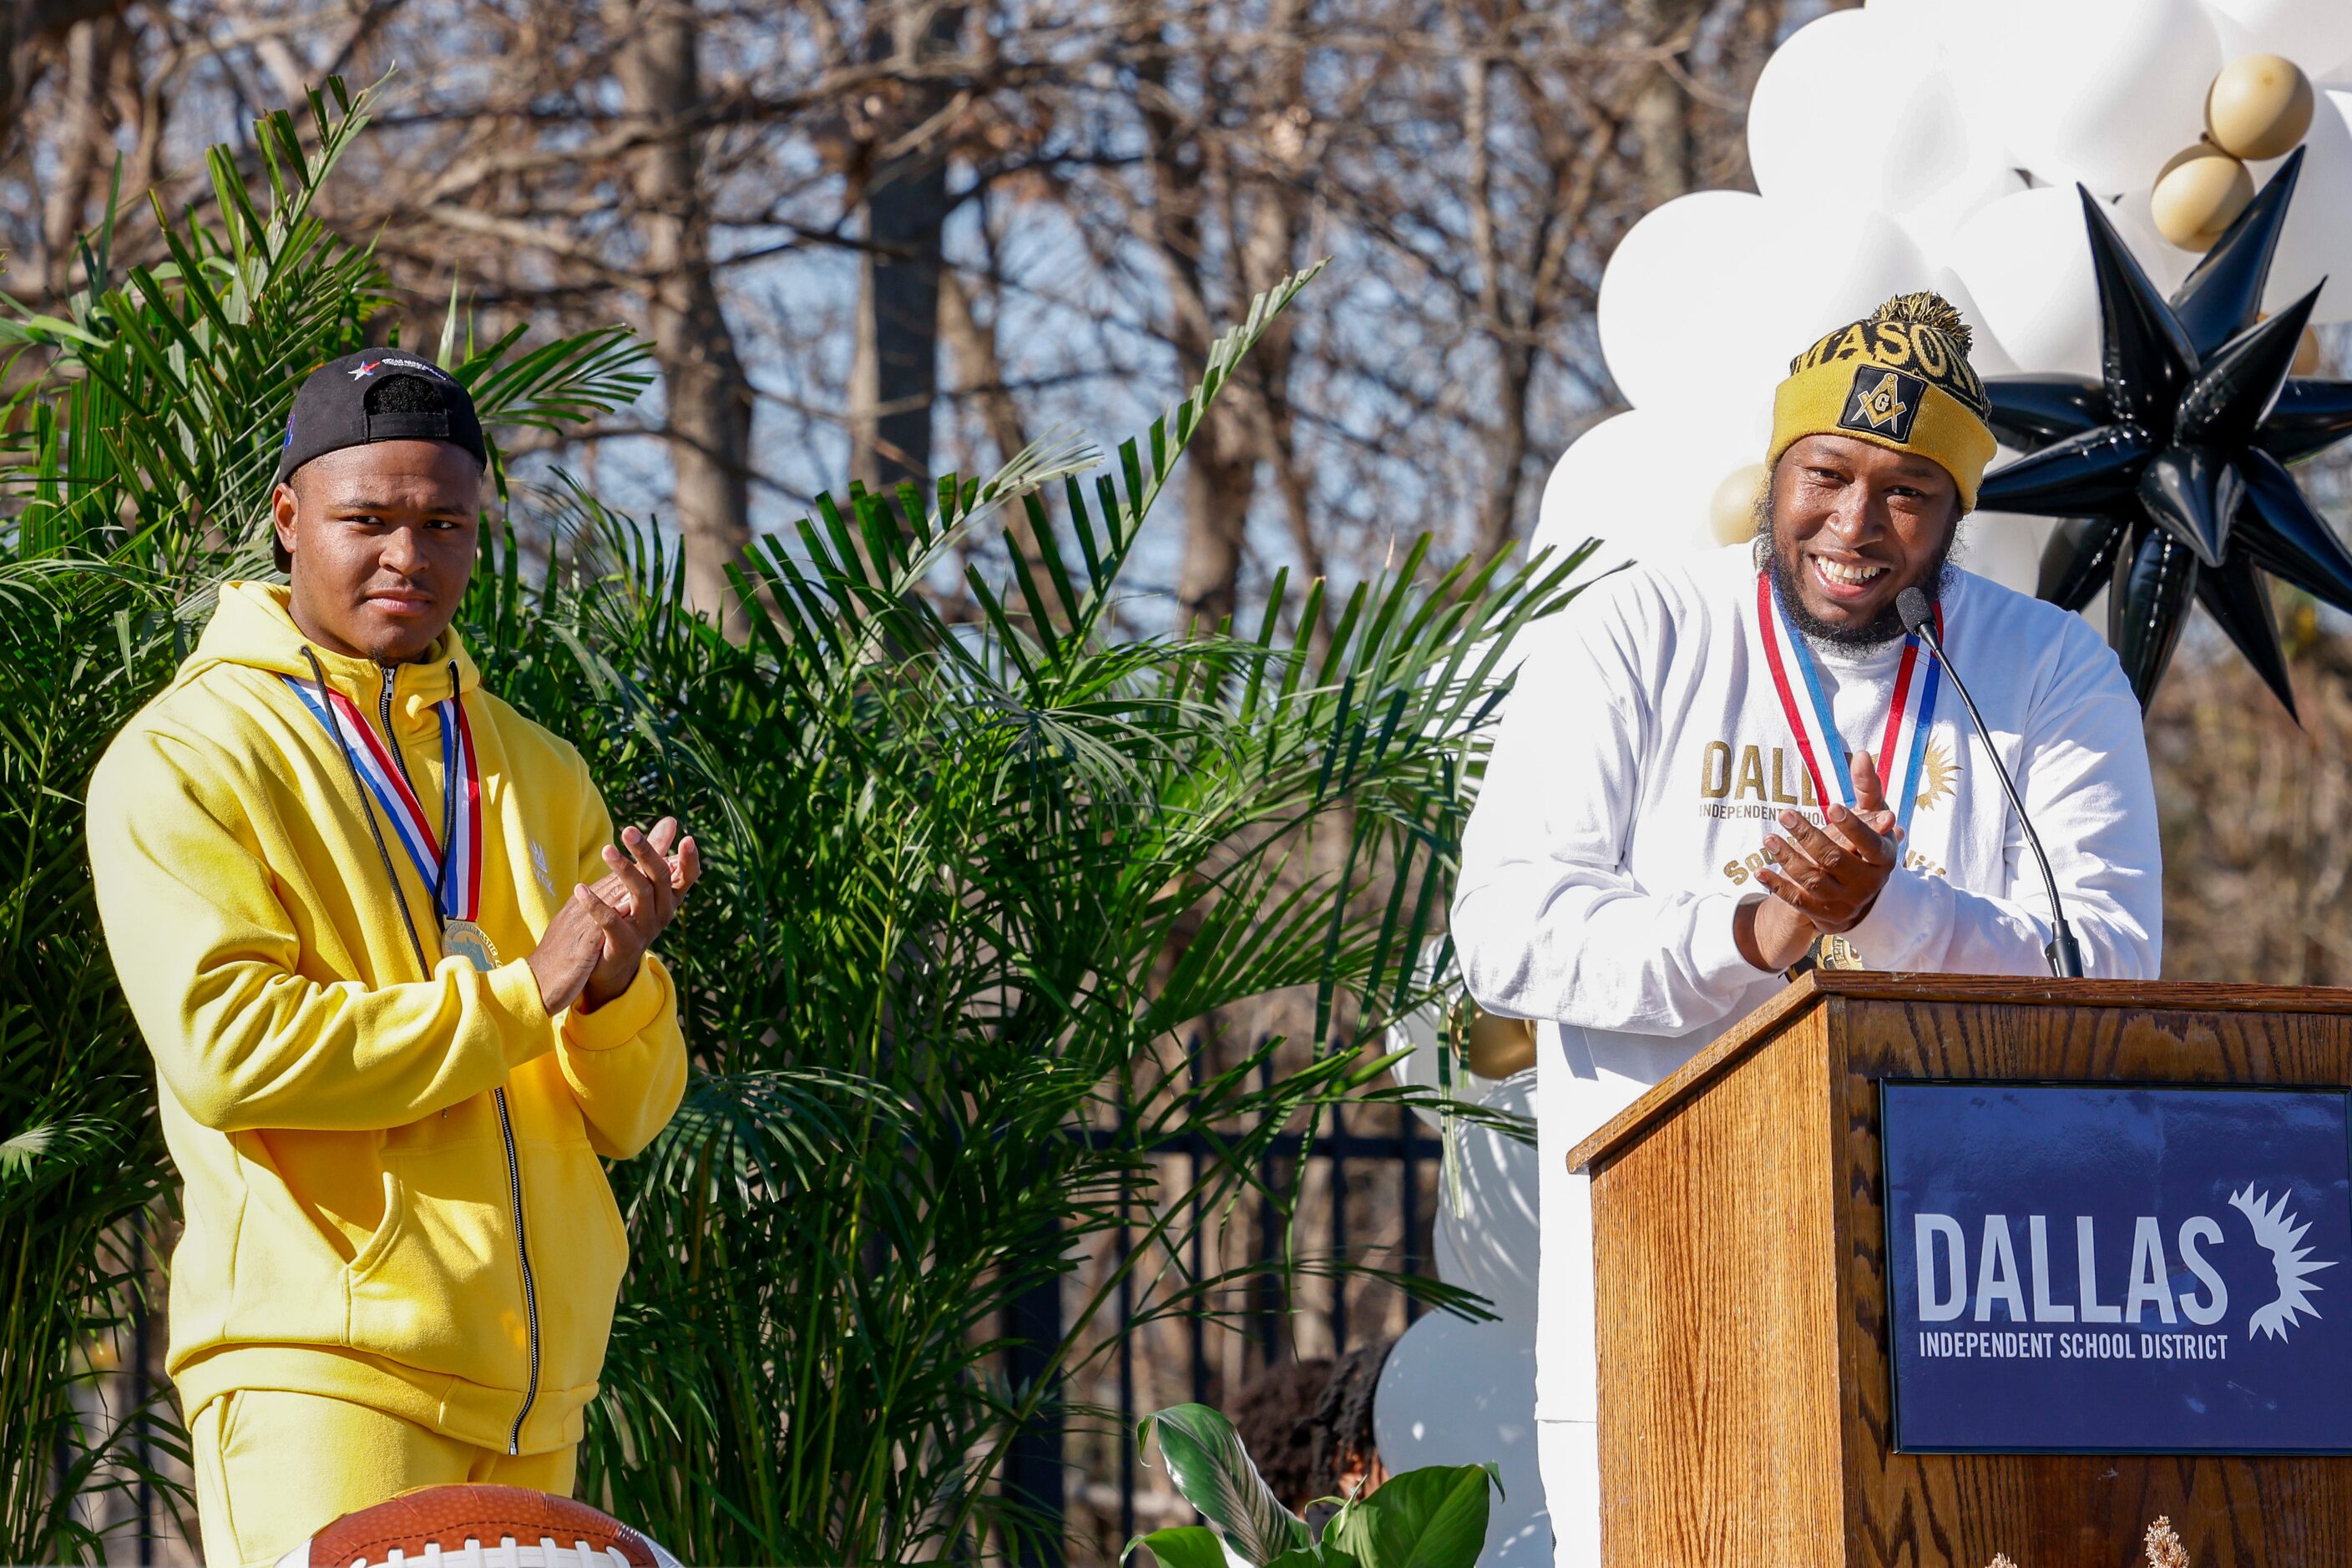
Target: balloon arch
[(1950, 144)]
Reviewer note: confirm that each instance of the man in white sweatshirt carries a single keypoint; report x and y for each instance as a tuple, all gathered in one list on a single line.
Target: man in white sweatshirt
[(1712, 770)]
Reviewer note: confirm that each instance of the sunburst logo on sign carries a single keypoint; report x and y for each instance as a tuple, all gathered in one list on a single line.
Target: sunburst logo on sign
[(2292, 1265)]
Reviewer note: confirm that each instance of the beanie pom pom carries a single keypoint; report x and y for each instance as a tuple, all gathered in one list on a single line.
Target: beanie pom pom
[(1929, 309)]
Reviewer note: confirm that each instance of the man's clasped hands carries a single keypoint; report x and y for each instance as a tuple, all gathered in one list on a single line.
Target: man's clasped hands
[(589, 951), (1822, 880)]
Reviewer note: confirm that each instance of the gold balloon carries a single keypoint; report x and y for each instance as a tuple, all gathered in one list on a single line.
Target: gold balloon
[(1498, 1047), (1732, 513), (2259, 107), (2307, 356), (2198, 194)]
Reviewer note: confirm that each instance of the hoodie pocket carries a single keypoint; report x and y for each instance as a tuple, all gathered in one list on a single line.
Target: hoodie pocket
[(438, 1287), (387, 1231)]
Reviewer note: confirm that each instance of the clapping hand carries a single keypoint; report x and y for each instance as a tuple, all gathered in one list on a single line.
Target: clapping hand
[(590, 952), (649, 877), (1822, 881), (1832, 876)]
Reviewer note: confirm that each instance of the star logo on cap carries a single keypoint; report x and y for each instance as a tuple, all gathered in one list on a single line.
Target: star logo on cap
[(365, 367), (1881, 405)]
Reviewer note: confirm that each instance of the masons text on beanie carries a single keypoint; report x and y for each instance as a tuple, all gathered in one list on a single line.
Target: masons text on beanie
[(1898, 378)]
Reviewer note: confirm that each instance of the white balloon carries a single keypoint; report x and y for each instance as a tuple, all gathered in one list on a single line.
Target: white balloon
[(2318, 240), (1828, 268), (2005, 546), (2315, 34), (1491, 1238), (1421, 1035), (1643, 482), (1710, 296), (2102, 91), (1801, 118), (1925, 162), (2026, 262), (1678, 277), (1978, 41), (1932, 221), (1455, 1393), (1922, 23), (1986, 355)]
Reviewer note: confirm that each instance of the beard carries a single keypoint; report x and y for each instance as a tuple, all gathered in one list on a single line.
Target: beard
[(1884, 627)]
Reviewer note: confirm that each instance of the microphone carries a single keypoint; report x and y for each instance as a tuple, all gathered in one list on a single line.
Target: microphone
[(1919, 620)]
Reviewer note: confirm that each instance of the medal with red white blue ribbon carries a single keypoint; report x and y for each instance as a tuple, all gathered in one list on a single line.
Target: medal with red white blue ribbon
[(451, 863), (1911, 715)]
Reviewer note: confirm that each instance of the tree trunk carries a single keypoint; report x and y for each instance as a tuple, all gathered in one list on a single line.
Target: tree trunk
[(1269, 255), (1250, 420), (1498, 522), (28, 29), (897, 376), (979, 373), (709, 425), (1661, 115), (1222, 483), (81, 113)]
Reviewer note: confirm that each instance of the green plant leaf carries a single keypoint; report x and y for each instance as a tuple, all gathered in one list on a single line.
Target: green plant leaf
[(1323, 1556), (1431, 1518), (1206, 1460), (1180, 1546), (74, 1137)]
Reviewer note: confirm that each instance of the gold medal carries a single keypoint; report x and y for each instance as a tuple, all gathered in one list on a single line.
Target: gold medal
[(464, 939), (1835, 952)]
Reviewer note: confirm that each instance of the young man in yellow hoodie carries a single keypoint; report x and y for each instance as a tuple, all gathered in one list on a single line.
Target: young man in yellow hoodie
[(393, 967)]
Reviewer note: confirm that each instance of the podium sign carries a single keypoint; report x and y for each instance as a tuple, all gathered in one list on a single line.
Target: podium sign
[(1882, 1280), (2087, 1268)]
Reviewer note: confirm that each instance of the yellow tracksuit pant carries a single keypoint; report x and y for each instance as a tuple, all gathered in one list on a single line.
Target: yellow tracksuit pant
[(272, 1469)]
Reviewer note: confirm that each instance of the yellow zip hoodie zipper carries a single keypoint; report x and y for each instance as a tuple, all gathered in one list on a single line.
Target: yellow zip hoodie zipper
[(497, 1095)]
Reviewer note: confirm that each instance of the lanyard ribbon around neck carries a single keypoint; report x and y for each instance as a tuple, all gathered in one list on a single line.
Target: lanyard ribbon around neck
[(455, 876), (1911, 715)]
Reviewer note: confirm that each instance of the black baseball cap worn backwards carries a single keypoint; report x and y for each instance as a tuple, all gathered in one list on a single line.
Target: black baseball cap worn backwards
[(376, 394), (343, 403)]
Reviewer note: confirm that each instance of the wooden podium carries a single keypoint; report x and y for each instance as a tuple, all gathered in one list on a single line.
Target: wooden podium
[(1739, 1250)]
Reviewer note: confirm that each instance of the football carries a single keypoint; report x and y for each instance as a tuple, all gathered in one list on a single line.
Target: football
[(478, 1527)]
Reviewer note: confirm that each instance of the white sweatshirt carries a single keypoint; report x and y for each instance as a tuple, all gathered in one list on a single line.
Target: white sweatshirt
[(1643, 759)]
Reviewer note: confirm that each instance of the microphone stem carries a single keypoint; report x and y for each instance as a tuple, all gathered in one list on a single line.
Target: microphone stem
[(2066, 958)]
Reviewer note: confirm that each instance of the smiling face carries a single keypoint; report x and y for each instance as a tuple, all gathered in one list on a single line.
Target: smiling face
[(1852, 525), (383, 539)]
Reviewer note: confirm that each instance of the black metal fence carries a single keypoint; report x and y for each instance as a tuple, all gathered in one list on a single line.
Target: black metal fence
[(1375, 1200)]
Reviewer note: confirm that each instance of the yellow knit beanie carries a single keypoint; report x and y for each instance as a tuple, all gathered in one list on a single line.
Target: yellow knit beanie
[(1900, 378)]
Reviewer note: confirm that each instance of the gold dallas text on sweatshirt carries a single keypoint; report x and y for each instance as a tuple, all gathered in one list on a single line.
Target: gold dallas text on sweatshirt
[(393, 1189)]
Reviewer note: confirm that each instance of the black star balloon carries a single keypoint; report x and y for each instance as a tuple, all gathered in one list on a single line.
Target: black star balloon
[(2170, 469)]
